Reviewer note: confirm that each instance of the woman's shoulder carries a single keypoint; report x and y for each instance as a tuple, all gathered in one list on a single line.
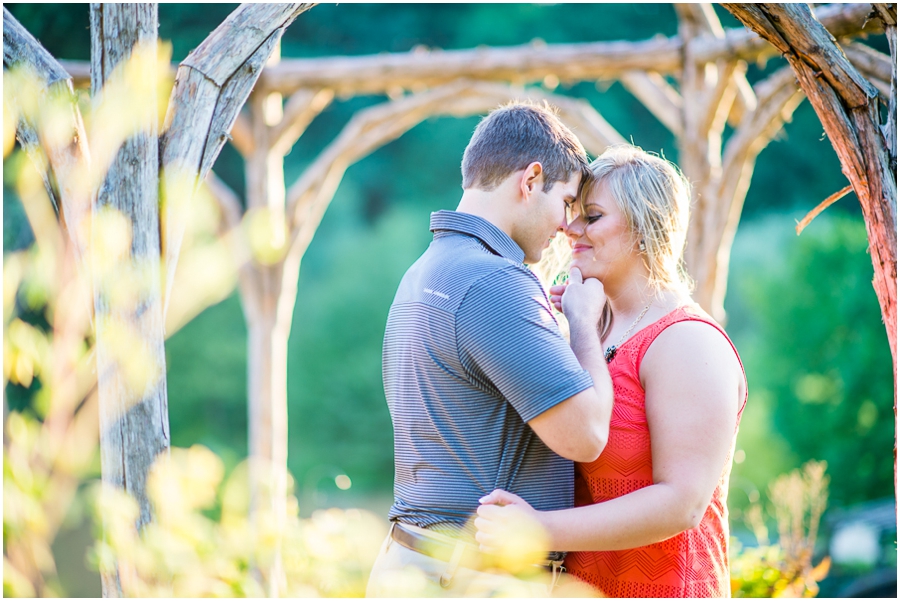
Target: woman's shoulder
[(694, 355), (688, 337)]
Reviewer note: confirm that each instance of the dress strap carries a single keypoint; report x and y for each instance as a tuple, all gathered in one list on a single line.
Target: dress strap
[(684, 313)]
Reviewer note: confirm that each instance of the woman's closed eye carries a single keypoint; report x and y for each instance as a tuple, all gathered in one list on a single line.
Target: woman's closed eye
[(591, 218)]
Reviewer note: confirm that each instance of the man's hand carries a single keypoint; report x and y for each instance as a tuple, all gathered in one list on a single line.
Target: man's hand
[(579, 299), (511, 528)]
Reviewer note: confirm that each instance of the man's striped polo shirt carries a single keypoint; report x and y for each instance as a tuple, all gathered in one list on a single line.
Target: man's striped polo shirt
[(472, 352)]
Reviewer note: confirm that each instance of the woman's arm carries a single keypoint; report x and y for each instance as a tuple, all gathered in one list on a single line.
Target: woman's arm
[(694, 388)]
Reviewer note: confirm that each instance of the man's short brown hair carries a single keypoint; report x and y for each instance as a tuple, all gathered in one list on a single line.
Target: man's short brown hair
[(515, 135)]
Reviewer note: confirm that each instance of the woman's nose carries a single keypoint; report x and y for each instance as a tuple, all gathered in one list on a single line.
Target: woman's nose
[(573, 229)]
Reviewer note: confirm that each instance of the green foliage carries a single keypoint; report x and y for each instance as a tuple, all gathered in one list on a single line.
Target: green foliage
[(816, 355), (802, 310), (336, 348), (338, 417), (763, 572), (207, 381), (184, 552), (785, 569)]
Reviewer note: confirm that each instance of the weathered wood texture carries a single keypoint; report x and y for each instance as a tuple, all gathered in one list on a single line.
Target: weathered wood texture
[(134, 423), (847, 105), (660, 98), (20, 47), (416, 70), (211, 85), (60, 160), (720, 177), (568, 62), (877, 67), (888, 15)]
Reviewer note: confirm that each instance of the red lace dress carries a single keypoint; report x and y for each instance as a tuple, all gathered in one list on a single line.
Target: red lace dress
[(691, 564)]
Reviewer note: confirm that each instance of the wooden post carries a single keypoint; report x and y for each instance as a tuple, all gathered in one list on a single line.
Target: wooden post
[(267, 328), (134, 417), (847, 106), (714, 92), (211, 87)]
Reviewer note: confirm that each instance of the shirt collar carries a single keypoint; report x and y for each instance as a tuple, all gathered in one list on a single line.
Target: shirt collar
[(471, 225)]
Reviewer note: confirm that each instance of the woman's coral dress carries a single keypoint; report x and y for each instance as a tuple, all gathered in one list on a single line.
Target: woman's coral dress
[(691, 564)]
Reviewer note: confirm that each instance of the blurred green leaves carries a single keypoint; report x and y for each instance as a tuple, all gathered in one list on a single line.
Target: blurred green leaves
[(816, 353)]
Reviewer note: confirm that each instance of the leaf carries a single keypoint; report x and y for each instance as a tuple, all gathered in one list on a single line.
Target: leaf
[(819, 572)]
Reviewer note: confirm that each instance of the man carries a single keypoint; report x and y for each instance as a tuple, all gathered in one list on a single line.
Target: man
[(483, 391)]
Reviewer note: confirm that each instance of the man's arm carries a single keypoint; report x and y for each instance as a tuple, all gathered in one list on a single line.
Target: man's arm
[(578, 428), (507, 335)]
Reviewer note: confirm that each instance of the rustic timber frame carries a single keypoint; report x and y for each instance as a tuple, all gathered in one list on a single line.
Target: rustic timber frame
[(693, 82), (210, 89), (709, 61)]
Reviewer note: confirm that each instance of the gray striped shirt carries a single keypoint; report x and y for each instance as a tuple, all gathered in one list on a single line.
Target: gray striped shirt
[(472, 352)]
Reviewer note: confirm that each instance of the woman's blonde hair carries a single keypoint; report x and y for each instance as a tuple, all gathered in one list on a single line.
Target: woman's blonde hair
[(654, 196)]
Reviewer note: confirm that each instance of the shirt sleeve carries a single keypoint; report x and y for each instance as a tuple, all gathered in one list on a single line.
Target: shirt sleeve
[(509, 340)]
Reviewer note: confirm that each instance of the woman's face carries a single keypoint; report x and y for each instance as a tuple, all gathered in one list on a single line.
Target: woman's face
[(603, 245)]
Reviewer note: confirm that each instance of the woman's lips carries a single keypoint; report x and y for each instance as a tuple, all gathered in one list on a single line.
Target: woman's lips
[(580, 248)]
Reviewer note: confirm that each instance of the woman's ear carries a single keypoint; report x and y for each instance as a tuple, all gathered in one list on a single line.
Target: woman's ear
[(532, 177)]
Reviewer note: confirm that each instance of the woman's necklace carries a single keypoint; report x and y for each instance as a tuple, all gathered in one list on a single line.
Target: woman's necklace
[(611, 351)]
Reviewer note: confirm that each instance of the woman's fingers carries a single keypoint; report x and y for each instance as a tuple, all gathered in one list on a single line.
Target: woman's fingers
[(556, 294), (557, 290)]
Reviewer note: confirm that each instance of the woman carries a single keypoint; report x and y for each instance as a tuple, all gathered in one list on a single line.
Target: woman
[(650, 517)]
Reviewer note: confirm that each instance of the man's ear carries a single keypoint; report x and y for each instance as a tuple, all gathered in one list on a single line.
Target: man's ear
[(532, 177)]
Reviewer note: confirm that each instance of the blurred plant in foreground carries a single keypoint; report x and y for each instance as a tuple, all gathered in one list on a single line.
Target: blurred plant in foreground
[(81, 255), (202, 543), (785, 569)]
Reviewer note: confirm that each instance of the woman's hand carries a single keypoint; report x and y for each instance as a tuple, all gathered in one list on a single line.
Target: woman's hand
[(504, 520), (556, 294)]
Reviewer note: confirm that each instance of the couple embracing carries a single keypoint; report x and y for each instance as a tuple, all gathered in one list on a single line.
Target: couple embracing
[(618, 442)]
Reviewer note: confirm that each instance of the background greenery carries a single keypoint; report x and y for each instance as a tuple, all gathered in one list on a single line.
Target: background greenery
[(801, 310)]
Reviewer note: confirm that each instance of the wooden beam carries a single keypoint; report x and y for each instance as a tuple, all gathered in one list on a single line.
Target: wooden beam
[(876, 66), (64, 162), (779, 95), (739, 92), (377, 74), (887, 13), (308, 198), (212, 84), (840, 19), (869, 61), (299, 111), (242, 136), (658, 96)]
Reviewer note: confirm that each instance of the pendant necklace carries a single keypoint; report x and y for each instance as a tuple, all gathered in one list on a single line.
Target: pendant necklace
[(611, 351)]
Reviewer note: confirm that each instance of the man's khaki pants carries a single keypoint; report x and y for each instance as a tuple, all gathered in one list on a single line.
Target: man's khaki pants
[(401, 572)]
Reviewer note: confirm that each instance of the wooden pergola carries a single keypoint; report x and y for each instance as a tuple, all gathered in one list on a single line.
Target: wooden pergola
[(694, 83)]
